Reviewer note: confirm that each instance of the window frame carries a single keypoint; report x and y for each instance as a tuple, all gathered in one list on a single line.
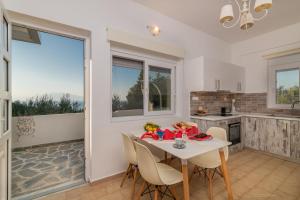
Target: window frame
[(272, 84), (148, 61)]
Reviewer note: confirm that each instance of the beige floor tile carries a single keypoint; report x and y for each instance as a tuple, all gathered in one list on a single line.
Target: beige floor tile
[(254, 176), (256, 193), (279, 195)]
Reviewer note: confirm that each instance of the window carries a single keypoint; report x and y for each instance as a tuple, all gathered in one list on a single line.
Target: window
[(284, 84), (287, 86), (159, 89), (141, 86), (127, 87)]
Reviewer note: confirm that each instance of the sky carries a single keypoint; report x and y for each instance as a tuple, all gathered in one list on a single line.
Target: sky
[(288, 78), (55, 66), (123, 78)]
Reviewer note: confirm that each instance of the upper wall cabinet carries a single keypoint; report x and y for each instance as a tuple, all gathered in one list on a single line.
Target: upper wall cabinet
[(203, 74)]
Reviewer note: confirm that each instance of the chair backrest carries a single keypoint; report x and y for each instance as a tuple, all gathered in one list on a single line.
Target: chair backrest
[(129, 149), (147, 165), (219, 133)]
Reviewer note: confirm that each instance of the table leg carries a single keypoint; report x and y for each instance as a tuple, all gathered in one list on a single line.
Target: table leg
[(166, 157), (225, 174), (185, 173)]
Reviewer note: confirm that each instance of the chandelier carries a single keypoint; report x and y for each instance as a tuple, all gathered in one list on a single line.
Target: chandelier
[(245, 17)]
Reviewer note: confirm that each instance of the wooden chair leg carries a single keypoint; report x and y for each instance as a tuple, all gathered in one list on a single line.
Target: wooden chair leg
[(210, 187), (141, 190), (225, 175), (125, 175), (133, 182), (156, 193), (221, 171), (173, 191)]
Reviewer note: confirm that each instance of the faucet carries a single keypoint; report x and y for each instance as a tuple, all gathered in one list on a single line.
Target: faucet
[(293, 104)]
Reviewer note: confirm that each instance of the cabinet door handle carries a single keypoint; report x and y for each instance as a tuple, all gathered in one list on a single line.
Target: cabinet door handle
[(239, 86), (216, 84)]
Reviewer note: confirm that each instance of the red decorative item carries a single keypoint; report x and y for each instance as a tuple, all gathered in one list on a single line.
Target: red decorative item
[(169, 135), (208, 137), (150, 135)]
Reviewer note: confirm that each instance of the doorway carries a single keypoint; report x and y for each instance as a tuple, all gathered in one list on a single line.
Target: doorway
[(48, 112)]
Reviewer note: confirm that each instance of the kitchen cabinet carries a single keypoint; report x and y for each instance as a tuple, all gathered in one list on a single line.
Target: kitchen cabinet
[(295, 140), (252, 137), (204, 125), (203, 74), (269, 135)]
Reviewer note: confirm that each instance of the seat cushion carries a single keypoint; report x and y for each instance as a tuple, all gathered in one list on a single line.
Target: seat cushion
[(169, 175)]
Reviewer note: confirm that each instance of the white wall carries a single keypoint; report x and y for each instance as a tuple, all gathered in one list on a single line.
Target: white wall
[(249, 53), (50, 129), (96, 15)]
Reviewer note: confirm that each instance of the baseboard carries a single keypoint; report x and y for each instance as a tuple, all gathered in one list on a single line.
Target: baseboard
[(108, 178), (274, 155)]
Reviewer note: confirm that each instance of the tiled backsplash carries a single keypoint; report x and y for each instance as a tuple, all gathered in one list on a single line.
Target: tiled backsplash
[(247, 102), (212, 101)]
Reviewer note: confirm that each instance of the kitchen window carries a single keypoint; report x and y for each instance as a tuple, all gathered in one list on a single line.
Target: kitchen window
[(141, 86), (284, 85)]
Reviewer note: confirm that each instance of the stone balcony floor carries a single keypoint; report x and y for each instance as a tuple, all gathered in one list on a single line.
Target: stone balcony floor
[(42, 167)]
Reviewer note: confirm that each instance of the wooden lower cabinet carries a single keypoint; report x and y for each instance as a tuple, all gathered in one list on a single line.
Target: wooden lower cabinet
[(280, 138), (270, 135), (252, 138), (277, 136), (295, 140)]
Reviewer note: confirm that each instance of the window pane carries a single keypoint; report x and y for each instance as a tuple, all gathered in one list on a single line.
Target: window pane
[(5, 33), (5, 116), (4, 76), (127, 87), (287, 86), (5, 72), (159, 89)]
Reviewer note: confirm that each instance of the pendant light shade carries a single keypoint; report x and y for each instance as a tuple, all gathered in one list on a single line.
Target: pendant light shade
[(261, 5), (247, 21), (226, 13)]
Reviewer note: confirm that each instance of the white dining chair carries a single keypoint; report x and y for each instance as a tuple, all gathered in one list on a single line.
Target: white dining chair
[(132, 170), (156, 174), (210, 163)]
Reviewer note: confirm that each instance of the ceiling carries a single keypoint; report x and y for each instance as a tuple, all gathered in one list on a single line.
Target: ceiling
[(204, 14)]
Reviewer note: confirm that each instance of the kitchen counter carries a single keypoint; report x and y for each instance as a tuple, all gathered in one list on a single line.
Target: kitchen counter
[(262, 115)]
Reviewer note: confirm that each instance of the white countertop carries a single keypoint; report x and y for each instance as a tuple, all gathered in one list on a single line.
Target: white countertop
[(236, 115)]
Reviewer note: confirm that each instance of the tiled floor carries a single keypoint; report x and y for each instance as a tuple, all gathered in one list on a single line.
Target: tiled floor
[(254, 176), (43, 167)]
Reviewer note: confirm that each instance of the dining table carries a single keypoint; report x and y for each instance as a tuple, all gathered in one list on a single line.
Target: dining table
[(192, 148)]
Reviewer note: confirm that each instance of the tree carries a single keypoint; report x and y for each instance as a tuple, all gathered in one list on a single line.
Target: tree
[(287, 95), (45, 105), (134, 97), (163, 84)]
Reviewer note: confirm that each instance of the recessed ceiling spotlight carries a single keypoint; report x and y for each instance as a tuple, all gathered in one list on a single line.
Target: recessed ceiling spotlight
[(154, 30)]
